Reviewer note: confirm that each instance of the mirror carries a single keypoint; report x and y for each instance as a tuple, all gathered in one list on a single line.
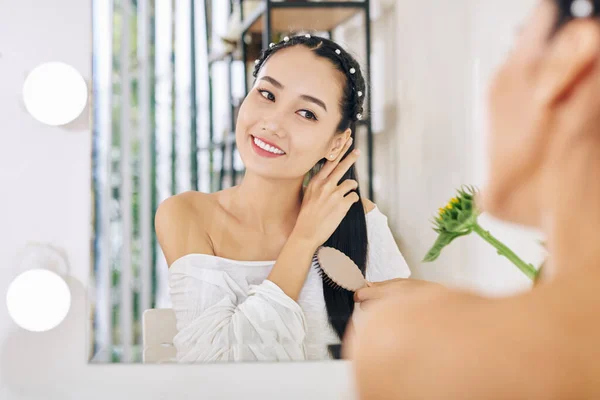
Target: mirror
[(170, 81)]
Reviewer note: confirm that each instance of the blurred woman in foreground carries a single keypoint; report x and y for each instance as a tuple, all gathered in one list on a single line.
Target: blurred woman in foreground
[(545, 172)]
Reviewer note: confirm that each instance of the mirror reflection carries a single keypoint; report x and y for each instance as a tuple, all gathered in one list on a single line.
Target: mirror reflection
[(204, 155), (233, 140)]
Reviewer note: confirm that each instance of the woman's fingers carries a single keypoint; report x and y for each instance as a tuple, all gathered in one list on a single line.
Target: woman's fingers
[(368, 293), (347, 186), (338, 172), (331, 164), (350, 199), (378, 290)]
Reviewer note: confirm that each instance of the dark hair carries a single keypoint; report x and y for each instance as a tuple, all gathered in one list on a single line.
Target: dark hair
[(350, 237), (565, 15)]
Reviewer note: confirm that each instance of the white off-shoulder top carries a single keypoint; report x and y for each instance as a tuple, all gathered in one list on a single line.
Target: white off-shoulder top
[(227, 310)]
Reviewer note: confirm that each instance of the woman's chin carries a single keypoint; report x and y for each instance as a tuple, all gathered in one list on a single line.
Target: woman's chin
[(267, 172), (268, 168), (263, 171)]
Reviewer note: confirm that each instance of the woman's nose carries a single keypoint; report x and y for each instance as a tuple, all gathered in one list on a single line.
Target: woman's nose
[(273, 124)]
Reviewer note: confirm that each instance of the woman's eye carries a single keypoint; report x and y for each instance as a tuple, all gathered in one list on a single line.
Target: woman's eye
[(267, 95), (304, 113), (307, 114)]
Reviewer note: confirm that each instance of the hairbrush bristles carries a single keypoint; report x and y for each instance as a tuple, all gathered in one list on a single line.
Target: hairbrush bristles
[(327, 280), (323, 275)]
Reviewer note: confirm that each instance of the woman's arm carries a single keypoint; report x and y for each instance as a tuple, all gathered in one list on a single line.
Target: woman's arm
[(220, 317), (295, 260), (291, 268), (324, 205)]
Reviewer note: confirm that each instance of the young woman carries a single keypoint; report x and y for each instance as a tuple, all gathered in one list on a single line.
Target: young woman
[(545, 161), (243, 282)]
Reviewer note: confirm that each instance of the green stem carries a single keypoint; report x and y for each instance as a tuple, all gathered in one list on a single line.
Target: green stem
[(527, 269)]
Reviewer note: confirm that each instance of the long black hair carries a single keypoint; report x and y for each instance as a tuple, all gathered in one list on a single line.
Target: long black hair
[(565, 14), (350, 237)]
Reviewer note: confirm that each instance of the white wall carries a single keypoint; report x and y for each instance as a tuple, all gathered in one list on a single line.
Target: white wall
[(432, 132), (426, 144), (420, 54), (45, 181)]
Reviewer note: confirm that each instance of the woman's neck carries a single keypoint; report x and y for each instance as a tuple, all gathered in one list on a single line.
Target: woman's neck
[(268, 205), (572, 220)]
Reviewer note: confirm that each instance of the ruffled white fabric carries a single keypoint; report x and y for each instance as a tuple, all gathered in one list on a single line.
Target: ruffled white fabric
[(227, 310)]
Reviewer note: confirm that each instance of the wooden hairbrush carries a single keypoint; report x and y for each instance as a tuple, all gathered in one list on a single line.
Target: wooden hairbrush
[(339, 270)]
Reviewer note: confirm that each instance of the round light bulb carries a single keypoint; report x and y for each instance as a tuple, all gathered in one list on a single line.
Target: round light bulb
[(38, 300), (55, 93)]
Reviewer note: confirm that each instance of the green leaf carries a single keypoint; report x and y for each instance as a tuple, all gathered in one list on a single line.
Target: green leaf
[(452, 225), (446, 217), (468, 205), (463, 216)]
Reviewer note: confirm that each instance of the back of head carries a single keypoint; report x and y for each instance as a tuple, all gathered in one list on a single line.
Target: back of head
[(571, 9), (544, 104)]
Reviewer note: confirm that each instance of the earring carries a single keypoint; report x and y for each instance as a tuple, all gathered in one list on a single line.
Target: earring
[(332, 156), (582, 8)]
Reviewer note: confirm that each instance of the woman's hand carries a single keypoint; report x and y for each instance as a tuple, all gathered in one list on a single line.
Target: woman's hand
[(395, 288), (326, 202)]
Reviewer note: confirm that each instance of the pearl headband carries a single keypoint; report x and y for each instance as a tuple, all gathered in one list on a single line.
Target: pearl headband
[(352, 70)]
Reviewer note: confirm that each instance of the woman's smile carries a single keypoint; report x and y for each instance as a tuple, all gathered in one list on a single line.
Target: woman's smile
[(265, 149)]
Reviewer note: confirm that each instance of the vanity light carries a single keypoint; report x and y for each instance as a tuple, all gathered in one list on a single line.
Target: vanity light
[(55, 93), (39, 299)]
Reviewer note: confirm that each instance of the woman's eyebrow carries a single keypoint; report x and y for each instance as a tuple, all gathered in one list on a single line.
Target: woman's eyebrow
[(306, 97), (272, 81), (314, 100)]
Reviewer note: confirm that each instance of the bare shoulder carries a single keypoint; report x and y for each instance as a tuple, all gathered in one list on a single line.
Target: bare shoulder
[(180, 221), (484, 339), (178, 208), (368, 205)]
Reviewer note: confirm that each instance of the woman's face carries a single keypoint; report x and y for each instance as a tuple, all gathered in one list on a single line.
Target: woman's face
[(535, 102), (288, 120)]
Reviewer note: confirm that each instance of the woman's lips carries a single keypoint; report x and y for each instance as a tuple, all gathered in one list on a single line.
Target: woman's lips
[(262, 152)]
